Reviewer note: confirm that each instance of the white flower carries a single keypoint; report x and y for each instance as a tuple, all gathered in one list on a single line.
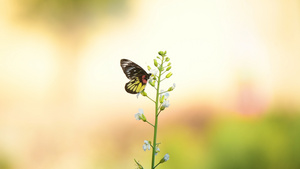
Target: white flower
[(163, 99), (140, 115), (166, 103), (163, 96), (166, 94), (153, 72), (167, 157), (157, 150), (146, 145), (172, 87)]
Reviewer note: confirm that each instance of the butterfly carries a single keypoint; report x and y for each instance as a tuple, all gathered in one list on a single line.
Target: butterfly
[(138, 76)]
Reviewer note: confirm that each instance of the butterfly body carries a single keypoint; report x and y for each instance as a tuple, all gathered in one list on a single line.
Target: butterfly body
[(138, 76)]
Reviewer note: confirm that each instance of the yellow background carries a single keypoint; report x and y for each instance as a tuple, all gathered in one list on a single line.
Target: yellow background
[(236, 66)]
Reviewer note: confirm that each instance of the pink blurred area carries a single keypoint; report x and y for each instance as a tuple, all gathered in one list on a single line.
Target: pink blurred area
[(63, 105)]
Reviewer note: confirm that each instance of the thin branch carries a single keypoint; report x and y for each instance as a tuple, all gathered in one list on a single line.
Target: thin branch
[(163, 72), (149, 123), (164, 92), (159, 112), (150, 99), (156, 165), (162, 79)]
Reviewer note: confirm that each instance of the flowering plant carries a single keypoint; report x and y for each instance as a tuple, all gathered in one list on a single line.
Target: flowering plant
[(161, 103)]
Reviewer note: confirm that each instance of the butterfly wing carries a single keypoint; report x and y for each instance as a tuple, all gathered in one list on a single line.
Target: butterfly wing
[(131, 69), (137, 75), (135, 86)]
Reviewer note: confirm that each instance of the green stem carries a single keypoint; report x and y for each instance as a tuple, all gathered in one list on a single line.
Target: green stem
[(149, 123), (156, 165), (156, 120), (163, 92), (163, 72), (158, 113), (150, 99)]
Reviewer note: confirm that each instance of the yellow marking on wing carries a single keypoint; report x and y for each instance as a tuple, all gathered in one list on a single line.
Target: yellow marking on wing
[(131, 88), (143, 87), (129, 85), (139, 87), (134, 89)]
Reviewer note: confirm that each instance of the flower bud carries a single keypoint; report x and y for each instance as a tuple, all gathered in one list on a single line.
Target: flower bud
[(140, 115), (165, 158), (143, 93), (157, 150), (155, 63), (149, 68), (143, 117), (169, 63), (152, 83), (169, 75), (161, 53), (162, 99), (172, 87), (161, 68), (167, 59), (168, 68)]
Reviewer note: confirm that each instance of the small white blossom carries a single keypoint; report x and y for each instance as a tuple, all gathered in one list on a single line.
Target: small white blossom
[(157, 150), (139, 115), (166, 94), (153, 72), (163, 99), (167, 157), (166, 103), (172, 87), (163, 96), (146, 145)]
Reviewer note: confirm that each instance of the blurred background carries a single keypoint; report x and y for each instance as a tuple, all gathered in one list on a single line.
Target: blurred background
[(236, 66)]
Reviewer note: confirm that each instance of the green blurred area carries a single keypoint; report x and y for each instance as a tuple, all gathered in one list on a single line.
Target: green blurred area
[(66, 12), (268, 142)]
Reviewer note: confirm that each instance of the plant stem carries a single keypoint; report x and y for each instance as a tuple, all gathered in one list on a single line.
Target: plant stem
[(150, 99), (156, 165), (162, 79), (158, 113), (163, 92), (156, 120), (150, 123)]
